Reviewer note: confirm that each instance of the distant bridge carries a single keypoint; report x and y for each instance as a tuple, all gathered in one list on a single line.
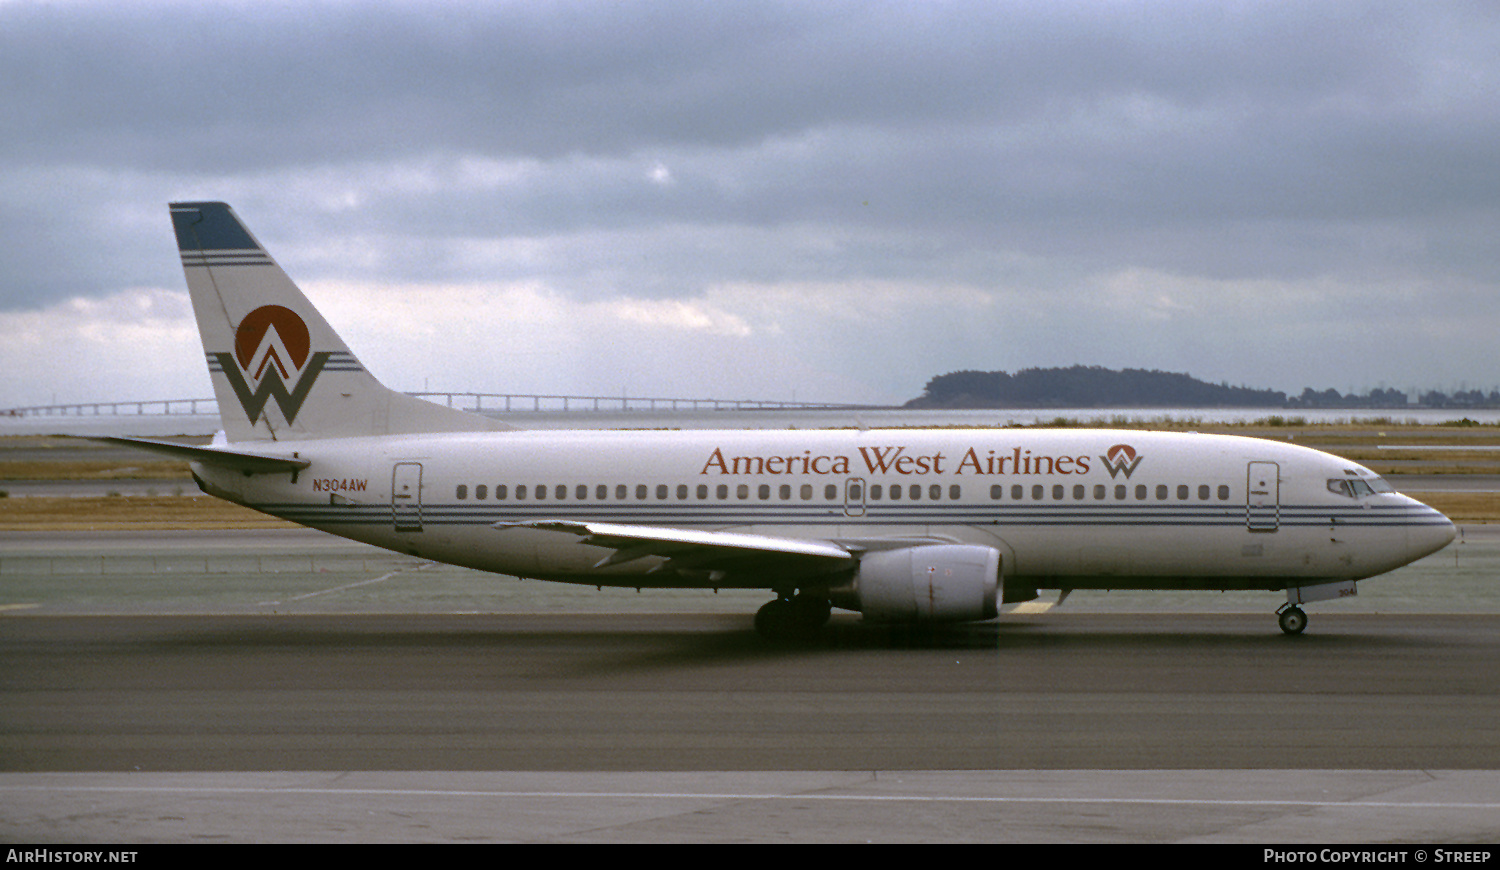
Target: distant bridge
[(492, 403)]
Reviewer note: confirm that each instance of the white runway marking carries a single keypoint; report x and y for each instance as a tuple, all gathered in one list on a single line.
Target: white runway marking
[(347, 586), (747, 806), (751, 796)]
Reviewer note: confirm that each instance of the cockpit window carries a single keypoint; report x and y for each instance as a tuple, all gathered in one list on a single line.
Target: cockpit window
[(1357, 487)]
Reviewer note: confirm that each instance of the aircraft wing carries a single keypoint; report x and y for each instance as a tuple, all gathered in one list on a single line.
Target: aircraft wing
[(717, 553)]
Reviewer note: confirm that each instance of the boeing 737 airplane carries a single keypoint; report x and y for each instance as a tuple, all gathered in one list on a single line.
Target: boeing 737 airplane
[(923, 526)]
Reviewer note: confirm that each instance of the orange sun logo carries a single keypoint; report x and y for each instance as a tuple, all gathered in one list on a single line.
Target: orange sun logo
[(266, 335)]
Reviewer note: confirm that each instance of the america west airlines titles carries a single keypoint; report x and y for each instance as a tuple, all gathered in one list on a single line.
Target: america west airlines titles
[(894, 459)]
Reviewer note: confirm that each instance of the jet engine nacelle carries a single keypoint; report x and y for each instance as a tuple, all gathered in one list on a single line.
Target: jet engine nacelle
[(928, 583)]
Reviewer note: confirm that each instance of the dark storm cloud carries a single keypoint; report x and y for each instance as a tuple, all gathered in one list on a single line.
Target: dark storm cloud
[(1027, 151), (246, 88)]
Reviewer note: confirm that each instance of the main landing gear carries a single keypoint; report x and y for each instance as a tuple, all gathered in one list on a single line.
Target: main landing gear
[(792, 616), (1291, 618)]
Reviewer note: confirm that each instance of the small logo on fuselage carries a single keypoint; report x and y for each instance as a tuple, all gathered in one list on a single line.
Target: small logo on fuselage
[(1121, 459), (271, 348)]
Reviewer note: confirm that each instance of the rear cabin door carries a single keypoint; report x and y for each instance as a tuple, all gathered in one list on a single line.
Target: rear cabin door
[(406, 497)]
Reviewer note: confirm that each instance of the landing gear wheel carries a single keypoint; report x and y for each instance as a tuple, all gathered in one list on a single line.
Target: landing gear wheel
[(787, 618), (1293, 620), (811, 611), (776, 619)]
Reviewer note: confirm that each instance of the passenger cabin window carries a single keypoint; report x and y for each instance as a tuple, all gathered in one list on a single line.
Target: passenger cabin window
[(463, 491)]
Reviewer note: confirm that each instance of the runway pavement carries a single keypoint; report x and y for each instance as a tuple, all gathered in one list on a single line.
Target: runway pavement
[(703, 692), (288, 686)]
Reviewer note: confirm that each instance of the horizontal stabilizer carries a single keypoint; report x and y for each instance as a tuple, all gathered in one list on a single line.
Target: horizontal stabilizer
[(249, 463)]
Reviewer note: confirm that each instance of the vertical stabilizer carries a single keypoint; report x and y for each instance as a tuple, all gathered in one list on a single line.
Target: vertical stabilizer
[(279, 370)]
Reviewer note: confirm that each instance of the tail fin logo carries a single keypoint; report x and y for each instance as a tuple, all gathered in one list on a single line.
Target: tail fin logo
[(1121, 459), (271, 348)]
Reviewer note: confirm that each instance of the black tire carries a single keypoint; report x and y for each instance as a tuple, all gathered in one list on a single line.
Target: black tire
[(1293, 620), (776, 620), (811, 611), (792, 618)]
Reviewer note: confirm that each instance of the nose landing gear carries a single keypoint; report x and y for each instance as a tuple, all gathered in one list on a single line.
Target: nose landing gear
[(1292, 619)]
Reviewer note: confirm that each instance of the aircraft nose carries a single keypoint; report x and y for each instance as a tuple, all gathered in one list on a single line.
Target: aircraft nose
[(1434, 532)]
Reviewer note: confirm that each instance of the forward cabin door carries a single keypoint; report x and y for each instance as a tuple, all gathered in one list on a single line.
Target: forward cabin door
[(1263, 497), (406, 497)]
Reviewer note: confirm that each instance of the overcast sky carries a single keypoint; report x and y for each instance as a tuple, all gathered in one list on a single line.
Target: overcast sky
[(810, 200)]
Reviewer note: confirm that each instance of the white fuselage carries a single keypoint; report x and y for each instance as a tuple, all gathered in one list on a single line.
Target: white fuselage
[(1065, 508)]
